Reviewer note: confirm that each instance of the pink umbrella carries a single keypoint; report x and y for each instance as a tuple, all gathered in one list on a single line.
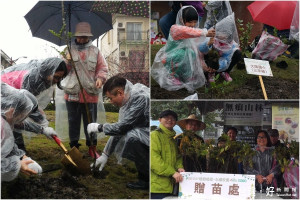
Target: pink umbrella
[(278, 14)]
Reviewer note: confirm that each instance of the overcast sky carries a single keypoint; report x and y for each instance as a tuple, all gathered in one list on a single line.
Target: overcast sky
[(16, 39)]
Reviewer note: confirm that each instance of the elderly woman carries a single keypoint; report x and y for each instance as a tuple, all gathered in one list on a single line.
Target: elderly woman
[(265, 167)]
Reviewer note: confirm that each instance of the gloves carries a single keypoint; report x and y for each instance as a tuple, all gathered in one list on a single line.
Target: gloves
[(48, 131), (34, 166), (94, 128), (102, 160)]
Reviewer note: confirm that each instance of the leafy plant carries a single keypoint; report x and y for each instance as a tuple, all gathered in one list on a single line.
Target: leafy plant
[(284, 155), (245, 33), (216, 86), (60, 36)]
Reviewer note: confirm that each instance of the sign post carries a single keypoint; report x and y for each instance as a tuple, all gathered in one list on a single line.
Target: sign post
[(260, 68), (263, 87)]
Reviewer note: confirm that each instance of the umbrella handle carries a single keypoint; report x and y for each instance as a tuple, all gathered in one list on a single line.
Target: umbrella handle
[(57, 140)]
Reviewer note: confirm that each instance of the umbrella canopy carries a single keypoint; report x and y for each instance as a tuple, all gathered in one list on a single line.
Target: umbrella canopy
[(130, 8), (46, 15), (278, 14)]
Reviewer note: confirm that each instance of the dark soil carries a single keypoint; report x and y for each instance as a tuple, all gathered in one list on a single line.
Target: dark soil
[(66, 186), (59, 182), (275, 88)]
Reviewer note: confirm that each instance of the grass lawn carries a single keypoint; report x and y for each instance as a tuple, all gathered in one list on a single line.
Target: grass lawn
[(243, 86), (112, 185)]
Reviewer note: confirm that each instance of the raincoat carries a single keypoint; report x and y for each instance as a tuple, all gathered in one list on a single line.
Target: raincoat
[(16, 105), (165, 160), (90, 65), (177, 64), (294, 30), (264, 164), (216, 11), (33, 76), (226, 41), (133, 122)]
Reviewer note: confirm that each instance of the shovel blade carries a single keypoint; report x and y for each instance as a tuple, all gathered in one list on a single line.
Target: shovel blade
[(77, 157)]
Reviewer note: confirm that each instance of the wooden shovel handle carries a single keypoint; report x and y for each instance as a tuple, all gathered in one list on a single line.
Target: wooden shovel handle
[(57, 140)]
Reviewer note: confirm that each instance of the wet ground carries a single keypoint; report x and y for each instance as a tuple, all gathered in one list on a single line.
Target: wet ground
[(275, 88), (66, 186), (57, 182)]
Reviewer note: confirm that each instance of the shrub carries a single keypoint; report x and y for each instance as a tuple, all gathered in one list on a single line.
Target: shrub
[(110, 108)]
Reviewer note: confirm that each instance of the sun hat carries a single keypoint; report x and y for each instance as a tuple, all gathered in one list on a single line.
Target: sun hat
[(83, 29), (182, 123)]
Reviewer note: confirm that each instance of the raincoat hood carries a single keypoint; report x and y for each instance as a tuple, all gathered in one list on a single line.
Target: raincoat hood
[(226, 33), (16, 104), (177, 64), (179, 18), (31, 76)]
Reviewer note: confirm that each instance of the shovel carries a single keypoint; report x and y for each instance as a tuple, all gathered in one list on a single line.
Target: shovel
[(73, 159)]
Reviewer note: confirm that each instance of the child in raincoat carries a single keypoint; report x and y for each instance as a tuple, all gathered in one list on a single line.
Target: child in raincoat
[(16, 105), (226, 44), (177, 65)]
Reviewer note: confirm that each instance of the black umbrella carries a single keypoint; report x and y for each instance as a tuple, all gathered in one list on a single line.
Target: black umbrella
[(47, 15)]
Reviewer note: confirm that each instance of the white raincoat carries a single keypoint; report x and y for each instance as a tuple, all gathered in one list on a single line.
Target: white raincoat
[(133, 120), (177, 64)]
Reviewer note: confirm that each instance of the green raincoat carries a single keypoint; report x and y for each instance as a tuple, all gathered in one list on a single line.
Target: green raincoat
[(165, 160)]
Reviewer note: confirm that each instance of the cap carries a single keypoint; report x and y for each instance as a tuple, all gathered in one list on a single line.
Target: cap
[(273, 133), (83, 29), (182, 123), (168, 112)]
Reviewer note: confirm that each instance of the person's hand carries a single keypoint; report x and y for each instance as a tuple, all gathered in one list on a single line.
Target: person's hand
[(94, 128), (211, 33), (269, 178), (211, 70), (260, 179), (98, 83), (208, 69), (181, 170), (33, 165), (29, 166), (177, 176), (49, 132), (102, 160), (211, 41)]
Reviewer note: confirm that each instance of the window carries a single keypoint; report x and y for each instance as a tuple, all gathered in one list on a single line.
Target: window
[(134, 31)]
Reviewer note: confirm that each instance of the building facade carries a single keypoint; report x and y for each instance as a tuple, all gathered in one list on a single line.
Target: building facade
[(126, 48)]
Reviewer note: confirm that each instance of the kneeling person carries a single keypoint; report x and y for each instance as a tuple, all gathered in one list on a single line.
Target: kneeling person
[(130, 135)]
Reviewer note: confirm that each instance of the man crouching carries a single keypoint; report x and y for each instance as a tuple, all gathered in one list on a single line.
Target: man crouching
[(130, 135)]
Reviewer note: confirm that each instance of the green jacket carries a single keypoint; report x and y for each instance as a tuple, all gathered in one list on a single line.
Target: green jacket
[(165, 160)]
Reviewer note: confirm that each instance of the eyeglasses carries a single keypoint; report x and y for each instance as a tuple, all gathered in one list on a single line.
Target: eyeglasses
[(261, 137), (169, 118)]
